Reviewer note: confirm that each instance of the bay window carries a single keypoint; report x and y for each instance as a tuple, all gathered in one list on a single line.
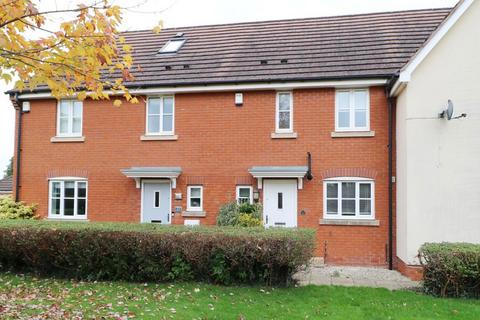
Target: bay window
[(349, 198), (68, 198)]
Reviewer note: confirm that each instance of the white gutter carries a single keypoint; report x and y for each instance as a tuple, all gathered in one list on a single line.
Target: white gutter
[(235, 87)]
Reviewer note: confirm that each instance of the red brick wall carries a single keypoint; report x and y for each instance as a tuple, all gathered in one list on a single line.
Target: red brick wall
[(217, 143), (413, 272)]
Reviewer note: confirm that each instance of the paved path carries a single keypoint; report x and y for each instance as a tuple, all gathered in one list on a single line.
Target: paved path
[(355, 276)]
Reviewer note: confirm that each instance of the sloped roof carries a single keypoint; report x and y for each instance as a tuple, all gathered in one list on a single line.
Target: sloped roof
[(6, 185), (362, 46), (353, 46)]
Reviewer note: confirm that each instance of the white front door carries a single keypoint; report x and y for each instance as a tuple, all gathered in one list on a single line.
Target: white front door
[(156, 203), (280, 203)]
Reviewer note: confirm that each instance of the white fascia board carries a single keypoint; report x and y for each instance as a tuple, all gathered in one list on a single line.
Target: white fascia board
[(406, 72), (235, 87)]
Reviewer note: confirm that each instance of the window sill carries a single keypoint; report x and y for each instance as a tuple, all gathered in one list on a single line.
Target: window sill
[(67, 139), (67, 219), (287, 135), (353, 134), (158, 137), (194, 214), (350, 222)]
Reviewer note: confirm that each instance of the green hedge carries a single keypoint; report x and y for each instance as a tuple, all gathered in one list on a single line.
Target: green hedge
[(134, 252), (451, 269)]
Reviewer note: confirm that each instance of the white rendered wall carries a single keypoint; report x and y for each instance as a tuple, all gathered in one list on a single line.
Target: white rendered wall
[(438, 161)]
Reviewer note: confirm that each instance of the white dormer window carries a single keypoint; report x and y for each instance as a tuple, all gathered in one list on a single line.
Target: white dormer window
[(352, 110), (172, 46), (69, 118)]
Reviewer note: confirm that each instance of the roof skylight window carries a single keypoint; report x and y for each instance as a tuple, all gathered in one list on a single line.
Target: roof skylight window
[(172, 46)]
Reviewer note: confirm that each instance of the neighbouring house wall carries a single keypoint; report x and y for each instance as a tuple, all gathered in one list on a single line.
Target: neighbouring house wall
[(217, 143), (438, 167)]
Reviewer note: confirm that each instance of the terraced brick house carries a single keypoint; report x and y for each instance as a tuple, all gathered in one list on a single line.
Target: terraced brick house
[(310, 117)]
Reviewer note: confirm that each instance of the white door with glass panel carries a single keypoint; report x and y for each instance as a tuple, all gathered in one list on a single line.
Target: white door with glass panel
[(280, 203), (156, 203)]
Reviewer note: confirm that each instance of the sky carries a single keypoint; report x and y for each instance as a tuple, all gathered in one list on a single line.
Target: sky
[(145, 14)]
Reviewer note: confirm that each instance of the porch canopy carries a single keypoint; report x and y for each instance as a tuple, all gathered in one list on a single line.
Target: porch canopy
[(139, 173), (261, 173)]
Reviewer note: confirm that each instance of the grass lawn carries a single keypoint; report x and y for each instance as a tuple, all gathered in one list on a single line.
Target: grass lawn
[(26, 296)]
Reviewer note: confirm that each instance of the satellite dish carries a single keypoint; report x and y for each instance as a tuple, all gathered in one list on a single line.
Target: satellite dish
[(448, 113), (449, 110)]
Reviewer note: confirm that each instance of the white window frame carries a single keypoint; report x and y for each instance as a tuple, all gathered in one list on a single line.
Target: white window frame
[(277, 113), (62, 181), (161, 132), (189, 191), (250, 193), (357, 180), (351, 93), (70, 132)]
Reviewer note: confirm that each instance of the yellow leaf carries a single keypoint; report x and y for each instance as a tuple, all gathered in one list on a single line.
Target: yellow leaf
[(117, 103), (82, 95), (134, 100), (158, 27)]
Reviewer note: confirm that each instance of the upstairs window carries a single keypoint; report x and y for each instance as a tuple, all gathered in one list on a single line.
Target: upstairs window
[(244, 194), (68, 198), (284, 113), (172, 46), (352, 110), (160, 115), (69, 118), (348, 198)]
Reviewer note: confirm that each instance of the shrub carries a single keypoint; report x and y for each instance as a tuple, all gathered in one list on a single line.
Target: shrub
[(10, 209), (244, 215), (451, 269), (135, 252), (248, 220)]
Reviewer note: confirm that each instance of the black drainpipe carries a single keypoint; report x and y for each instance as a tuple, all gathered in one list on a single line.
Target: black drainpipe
[(390, 171), (19, 144), (309, 163)]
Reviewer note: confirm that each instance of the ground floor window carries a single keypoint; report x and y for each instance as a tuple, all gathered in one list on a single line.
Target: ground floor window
[(68, 198), (195, 198), (349, 198), (244, 194)]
